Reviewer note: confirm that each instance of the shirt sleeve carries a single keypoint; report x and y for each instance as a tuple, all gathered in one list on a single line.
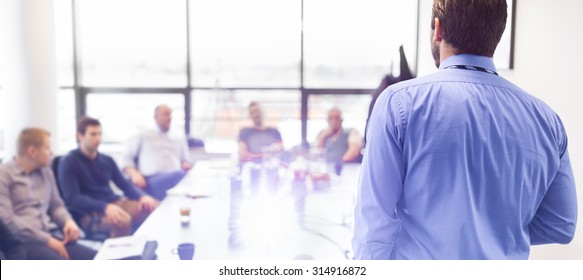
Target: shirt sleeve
[(555, 219), (22, 227), (57, 210), (276, 135), (120, 181), (131, 153), (381, 182), (317, 140), (243, 135), (70, 183), (354, 137), (185, 151)]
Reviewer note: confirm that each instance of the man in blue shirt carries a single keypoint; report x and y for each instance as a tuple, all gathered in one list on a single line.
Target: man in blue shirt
[(84, 176), (462, 164)]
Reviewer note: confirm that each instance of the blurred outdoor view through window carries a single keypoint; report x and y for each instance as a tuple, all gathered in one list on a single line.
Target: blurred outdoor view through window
[(240, 51)]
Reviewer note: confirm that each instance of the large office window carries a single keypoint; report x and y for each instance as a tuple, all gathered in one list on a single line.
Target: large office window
[(66, 127), (252, 43), (353, 43), (124, 115), (212, 57), (132, 43)]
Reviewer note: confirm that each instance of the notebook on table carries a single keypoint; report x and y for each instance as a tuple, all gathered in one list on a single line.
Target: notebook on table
[(127, 248)]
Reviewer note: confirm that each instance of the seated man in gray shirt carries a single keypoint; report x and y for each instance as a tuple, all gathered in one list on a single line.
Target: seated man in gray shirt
[(156, 160), (258, 144), (30, 204), (340, 145)]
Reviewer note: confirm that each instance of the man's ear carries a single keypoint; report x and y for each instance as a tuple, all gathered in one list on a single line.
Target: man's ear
[(438, 31), (31, 151)]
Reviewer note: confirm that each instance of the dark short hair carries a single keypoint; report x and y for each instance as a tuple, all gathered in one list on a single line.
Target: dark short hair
[(28, 137), (471, 26), (84, 122)]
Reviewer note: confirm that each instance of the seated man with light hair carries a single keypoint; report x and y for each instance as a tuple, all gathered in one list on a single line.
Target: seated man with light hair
[(30, 204), (156, 160), (340, 145)]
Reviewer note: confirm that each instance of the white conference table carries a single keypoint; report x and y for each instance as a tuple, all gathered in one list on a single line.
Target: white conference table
[(229, 222)]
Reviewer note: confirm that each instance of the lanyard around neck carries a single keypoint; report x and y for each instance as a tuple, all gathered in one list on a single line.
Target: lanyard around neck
[(473, 68)]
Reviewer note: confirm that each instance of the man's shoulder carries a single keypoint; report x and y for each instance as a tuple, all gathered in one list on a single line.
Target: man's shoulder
[(72, 155), (46, 172), (273, 130), (104, 157), (428, 79), (245, 131), (145, 134), (6, 169), (4, 166)]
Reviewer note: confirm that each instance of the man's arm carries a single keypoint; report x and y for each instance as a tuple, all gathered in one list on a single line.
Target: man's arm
[(380, 185), (23, 228), (116, 176), (71, 183), (245, 154), (556, 218), (129, 162), (320, 140), (354, 146), (135, 176), (147, 203), (185, 158), (277, 145)]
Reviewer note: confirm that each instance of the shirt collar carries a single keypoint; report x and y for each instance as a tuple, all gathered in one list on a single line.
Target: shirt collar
[(18, 170), (15, 166), (469, 59), (82, 155)]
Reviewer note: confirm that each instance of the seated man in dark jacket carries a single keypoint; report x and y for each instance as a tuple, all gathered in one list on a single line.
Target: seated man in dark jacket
[(85, 174)]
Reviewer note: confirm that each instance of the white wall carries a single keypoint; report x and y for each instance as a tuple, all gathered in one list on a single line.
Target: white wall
[(28, 69), (548, 64)]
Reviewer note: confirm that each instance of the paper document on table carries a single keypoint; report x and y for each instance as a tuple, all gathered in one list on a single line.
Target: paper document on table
[(122, 248), (195, 192)]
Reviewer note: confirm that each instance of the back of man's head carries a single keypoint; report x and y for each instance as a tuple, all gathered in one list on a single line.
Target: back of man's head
[(31, 137), (471, 26)]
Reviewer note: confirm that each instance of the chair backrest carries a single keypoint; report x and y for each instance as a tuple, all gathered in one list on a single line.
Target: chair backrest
[(195, 143), (55, 168)]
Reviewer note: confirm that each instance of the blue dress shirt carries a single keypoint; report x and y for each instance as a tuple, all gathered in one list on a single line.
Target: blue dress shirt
[(462, 164)]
